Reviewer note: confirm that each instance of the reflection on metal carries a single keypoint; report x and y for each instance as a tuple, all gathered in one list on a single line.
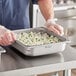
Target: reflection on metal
[(0, 60), (67, 73), (55, 74), (2, 50)]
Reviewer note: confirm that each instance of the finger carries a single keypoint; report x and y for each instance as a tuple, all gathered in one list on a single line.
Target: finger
[(51, 28), (13, 36), (7, 39), (8, 36), (0, 41), (60, 29), (4, 42)]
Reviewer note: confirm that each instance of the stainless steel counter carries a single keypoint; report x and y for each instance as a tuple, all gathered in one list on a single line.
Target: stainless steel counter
[(13, 63)]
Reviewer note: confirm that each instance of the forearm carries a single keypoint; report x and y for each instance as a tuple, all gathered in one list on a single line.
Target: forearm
[(46, 7)]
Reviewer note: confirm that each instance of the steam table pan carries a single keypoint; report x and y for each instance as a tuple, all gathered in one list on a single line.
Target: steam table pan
[(38, 50)]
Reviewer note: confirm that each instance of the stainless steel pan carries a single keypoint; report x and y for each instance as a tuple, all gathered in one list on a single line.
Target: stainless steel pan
[(38, 50)]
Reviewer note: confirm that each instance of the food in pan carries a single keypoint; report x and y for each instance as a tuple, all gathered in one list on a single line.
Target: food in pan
[(33, 38)]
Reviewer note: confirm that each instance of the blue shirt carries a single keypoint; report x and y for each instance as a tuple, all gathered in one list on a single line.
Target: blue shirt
[(14, 14)]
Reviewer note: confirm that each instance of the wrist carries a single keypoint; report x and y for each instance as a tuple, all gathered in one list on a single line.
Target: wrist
[(1, 26), (51, 21)]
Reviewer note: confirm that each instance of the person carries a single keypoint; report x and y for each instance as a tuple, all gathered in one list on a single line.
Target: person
[(14, 14)]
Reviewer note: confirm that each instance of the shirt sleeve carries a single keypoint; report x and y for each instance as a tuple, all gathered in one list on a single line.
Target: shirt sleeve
[(34, 1)]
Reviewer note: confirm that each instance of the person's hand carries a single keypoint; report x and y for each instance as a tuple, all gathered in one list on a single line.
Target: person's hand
[(56, 28), (7, 37)]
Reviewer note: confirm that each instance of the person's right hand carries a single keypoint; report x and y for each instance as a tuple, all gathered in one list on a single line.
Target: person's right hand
[(7, 37)]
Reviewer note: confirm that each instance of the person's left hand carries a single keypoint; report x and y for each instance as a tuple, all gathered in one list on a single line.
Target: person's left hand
[(56, 28)]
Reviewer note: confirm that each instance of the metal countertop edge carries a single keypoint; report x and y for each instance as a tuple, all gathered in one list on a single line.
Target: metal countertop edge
[(41, 69)]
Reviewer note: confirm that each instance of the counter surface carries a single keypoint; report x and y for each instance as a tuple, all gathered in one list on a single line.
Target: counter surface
[(14, 63)]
